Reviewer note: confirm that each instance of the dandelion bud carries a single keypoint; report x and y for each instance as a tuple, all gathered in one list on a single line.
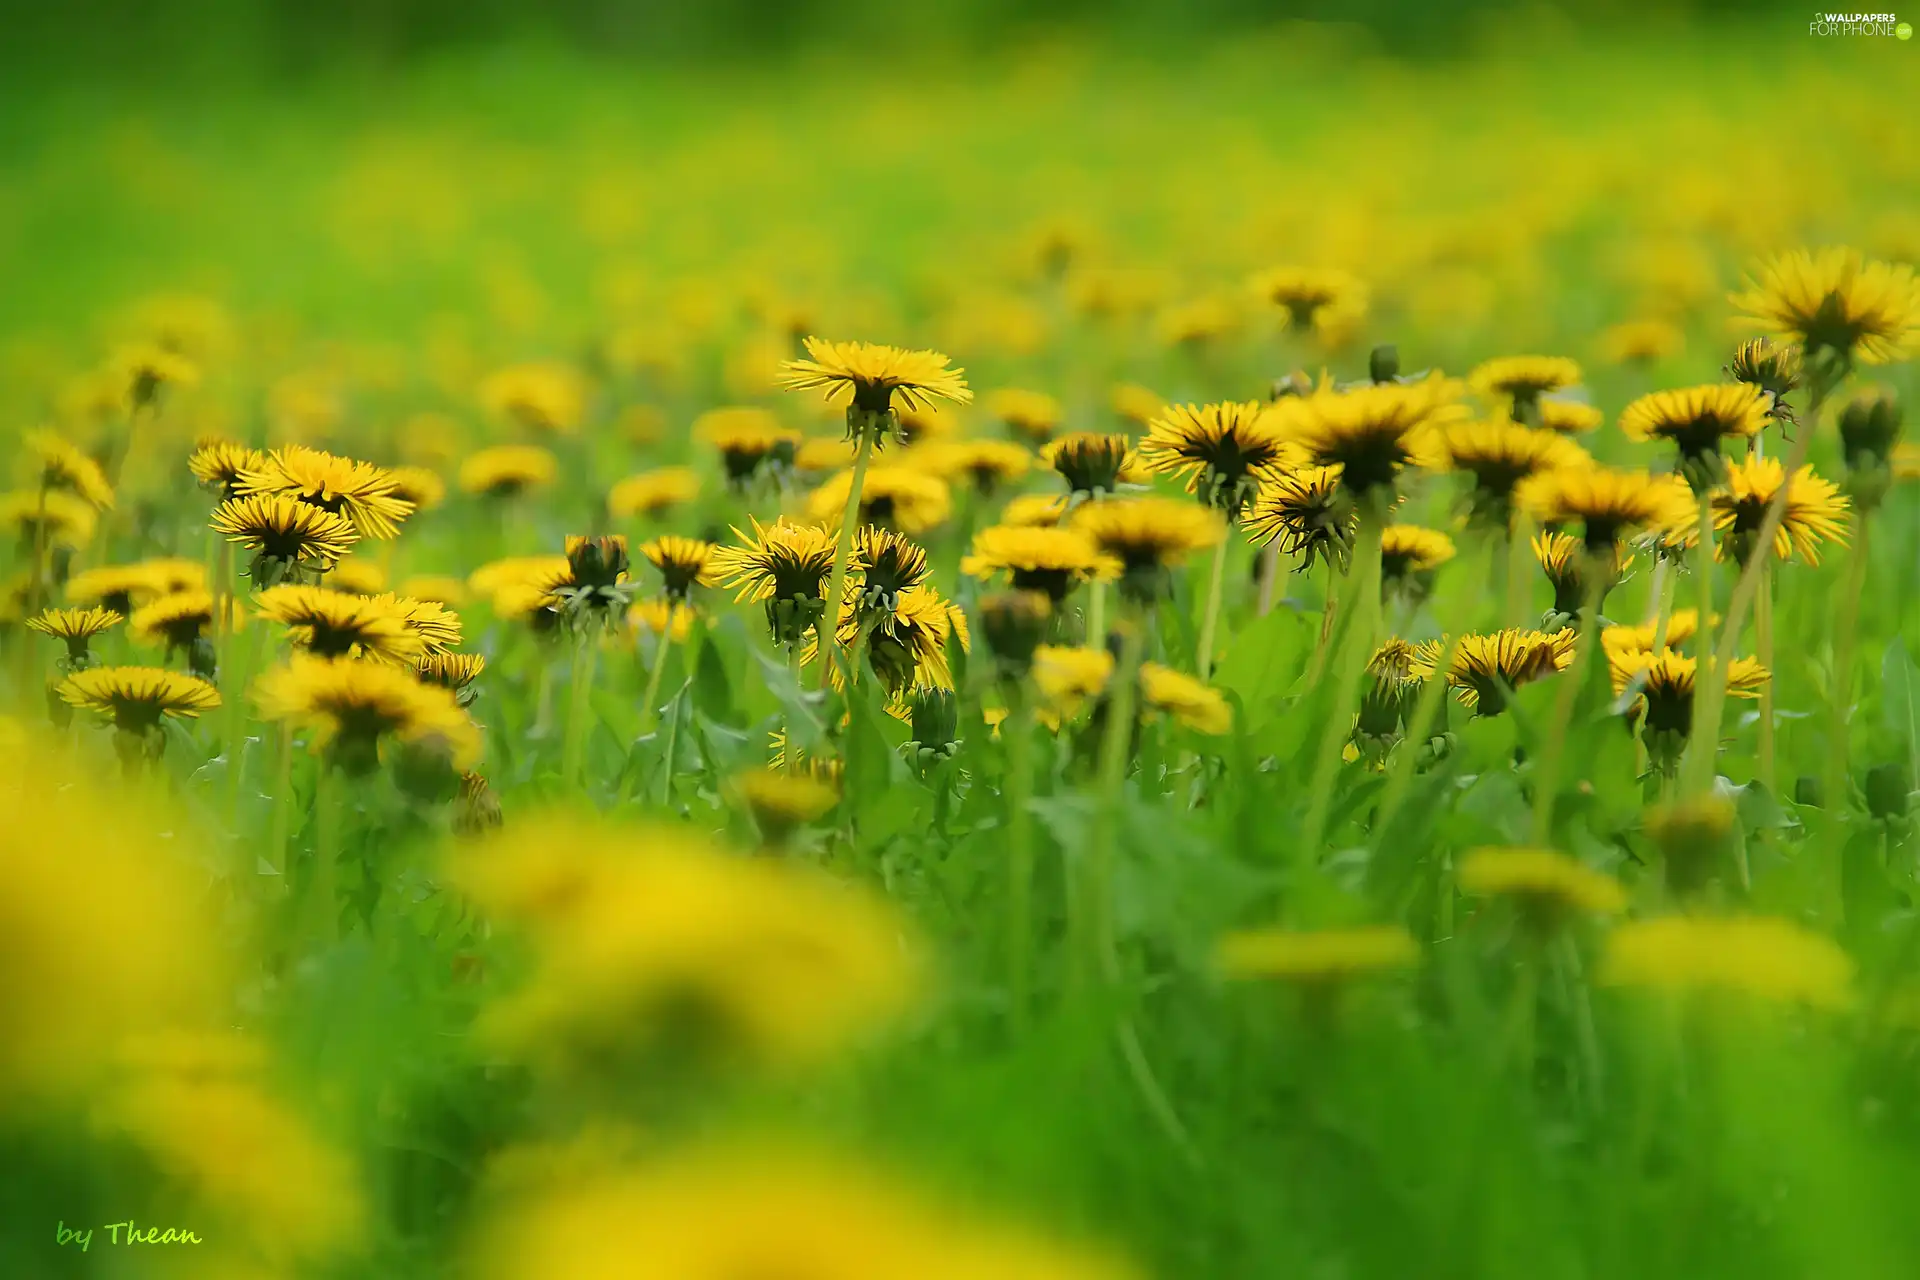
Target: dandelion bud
[(1015, 624), (1383, 363), (1869, 428), (597, 562), (1887, 792), (1694, 838), (936, 722), (477, 809)]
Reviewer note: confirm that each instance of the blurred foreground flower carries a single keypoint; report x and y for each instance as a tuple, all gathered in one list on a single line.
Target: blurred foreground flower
[(1766, 958)]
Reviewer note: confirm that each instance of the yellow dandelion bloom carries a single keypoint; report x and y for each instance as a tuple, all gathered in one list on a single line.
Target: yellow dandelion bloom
[(141, 371), (684, 563), (1035, 510), (1641, 341), (285, 533), (1407, 549), (1149, 536), (329, 623), (418, 487), (1067, 677), (56, 463), (1031, 415), (1223, 451), (135, 699), (349, 707), (222, 464), (656, 616), (1305, 511), (53, 518), (1545, 877), (439, 588), (359, 575), (138, 959), (1697, 419), (1498, 456), (360, 491), (1485, 668), (1193, 703), (516, 571), (1371, 431), (749, 440), (1136, 404), (1568, 417), (1835, 300), (1045, 559), (893, 497), (632, 929), (1325, 301), (508, 470), (777, 561), (1665, 685), (986, 465), (652, 493), (544, 396), (1681, 627), (1815, 512), (1768, 959), (1607, 503), (870, 377), (1516, 383), (1315, 956)]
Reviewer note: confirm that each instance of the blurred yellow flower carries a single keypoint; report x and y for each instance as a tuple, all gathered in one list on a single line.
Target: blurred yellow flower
[(1769, 959)]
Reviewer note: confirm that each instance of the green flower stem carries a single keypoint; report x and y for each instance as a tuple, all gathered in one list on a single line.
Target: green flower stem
[(586, 653), (1546, 783), (323, 908), (666, 759), (649, 703), (1840, 696), (1329, 611), (790, 758), (1665, 586), (1703, 559), (1018, 794), (1097, 616), (1763, 650), (1115, 743), (1210, 620), (1361, 608), (1518, 549), (1269, 577), (843, 550), (281, 823), (1711, 696)]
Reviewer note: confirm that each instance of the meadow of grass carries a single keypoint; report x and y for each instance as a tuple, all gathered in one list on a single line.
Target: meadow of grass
[(1339, 873)]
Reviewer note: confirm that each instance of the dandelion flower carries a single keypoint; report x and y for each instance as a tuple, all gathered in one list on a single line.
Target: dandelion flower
[(359, 575), (871, 377), (439, 588), (1815, 511), (1308, 513), (1327, 302), (454, 672), (652, 494), (888, 564), (1641, 341), (1486, 668), (1033, 416), (1682, 624), (329, 623), (1569, 568), (418, 487), (1546, 879), (285, 535), (1835, 301), (120, 586), (1223, 451), (906, 647), (986, 465), (517, 571), (53, 518), (1048, 560), (1093, 463), (1407, 550), (77, 628), (1665, 686), (1498, 456), (1068, 677), (1192, 702), (182, 622), (350, 707), (438, 627), (57, 464), (595, 588), (360, 491), (137, 698), (684, 563), (508, 470), (1696, 420), (784, 564), (1315, 956), (1372, 431), (1768, 959), (1693, 833), (639, 935), (751, 442), (657, 617), (895, 497), (1607, 503), (1516, 383), (1035, 510), (1774, 370), (1148, 536), (1136, 404), (142, 371), (542, 396), (782, 802), (925, 425), (1567, 417)]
